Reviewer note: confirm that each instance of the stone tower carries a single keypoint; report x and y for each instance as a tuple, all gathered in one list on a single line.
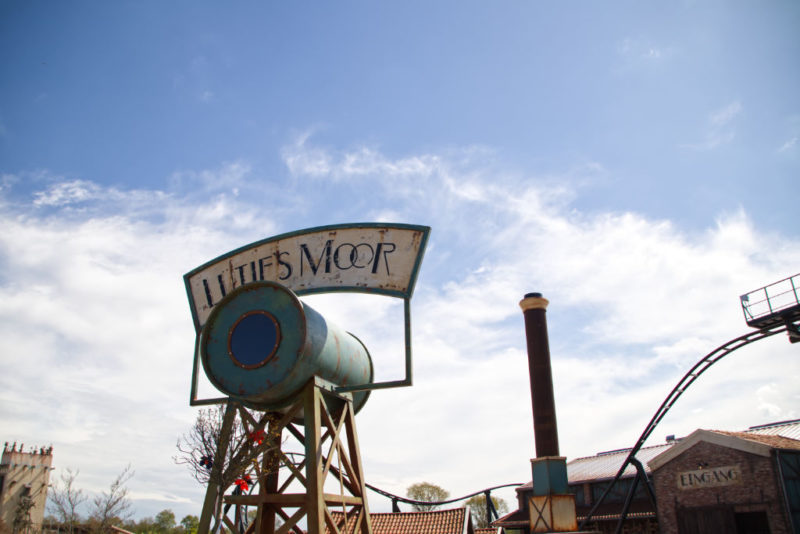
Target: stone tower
[(24, 477)]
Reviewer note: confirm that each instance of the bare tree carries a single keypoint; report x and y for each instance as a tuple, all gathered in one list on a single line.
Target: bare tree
[(64, 500), (197, 449), (113, 506), (248, 435)]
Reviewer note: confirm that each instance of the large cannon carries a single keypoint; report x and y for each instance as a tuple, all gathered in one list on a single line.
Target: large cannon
[(261, 345)]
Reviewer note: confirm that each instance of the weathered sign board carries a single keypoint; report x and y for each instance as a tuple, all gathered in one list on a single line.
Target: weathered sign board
[(710, 478), (366, 257)]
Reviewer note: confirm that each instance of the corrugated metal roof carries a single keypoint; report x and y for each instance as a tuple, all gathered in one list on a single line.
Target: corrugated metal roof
[(787, 429), (606, 464)]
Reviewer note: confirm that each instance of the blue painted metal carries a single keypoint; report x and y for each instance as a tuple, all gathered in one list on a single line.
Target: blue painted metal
[(266, 368), (549, 475)]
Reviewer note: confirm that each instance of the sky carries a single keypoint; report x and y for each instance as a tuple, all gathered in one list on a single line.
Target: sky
[(635, 162)]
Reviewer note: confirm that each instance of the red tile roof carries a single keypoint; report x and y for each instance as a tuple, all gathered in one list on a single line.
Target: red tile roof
[(514, 519), (776, 442), (455, 521)]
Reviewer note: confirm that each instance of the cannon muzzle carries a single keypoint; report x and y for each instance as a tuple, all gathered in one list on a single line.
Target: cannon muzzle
[(261, 345)]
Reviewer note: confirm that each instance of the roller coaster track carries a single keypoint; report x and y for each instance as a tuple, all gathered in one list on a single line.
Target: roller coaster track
[(491, 512), (694, 373)]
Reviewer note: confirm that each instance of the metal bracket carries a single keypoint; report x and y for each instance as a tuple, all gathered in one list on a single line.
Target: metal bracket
[(408, 380)]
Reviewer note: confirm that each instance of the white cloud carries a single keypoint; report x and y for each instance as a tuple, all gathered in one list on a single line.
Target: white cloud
[(306, 160), (228, 176), (725, 115), (302, 161), (720, 129), (96, 338), (64, 193), (788, 145), (640, 51)]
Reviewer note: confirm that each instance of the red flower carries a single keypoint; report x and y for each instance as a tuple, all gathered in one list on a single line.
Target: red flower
[(257, 436)]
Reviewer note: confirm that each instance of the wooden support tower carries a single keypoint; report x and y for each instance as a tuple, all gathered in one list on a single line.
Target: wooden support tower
[(283, 490)]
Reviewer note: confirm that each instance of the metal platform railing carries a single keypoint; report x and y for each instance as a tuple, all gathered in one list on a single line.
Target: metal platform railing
[(776, 303)]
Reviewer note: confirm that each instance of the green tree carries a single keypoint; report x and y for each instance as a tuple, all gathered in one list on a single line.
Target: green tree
[(190, 524), (425, 491), (477, 506), (145, 525), (165, 521)]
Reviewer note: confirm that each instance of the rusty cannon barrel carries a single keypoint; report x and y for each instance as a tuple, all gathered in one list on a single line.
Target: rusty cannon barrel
[(261, 345)]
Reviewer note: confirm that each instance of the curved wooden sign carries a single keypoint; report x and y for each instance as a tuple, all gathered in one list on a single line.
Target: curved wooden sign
[(366, 257)]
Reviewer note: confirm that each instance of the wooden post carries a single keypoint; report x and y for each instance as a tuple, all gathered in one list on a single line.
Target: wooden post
[(315, 503), (265, 518), (212, 503), (328, 421)]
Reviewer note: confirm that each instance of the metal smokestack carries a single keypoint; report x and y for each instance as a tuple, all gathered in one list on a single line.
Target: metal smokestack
[(545, 430)]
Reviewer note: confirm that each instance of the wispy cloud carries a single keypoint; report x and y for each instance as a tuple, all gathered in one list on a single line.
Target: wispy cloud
[(65, 193), (228, 177), (639, 50), (788, 145), (720, 129), (724, 116), (304, 160)]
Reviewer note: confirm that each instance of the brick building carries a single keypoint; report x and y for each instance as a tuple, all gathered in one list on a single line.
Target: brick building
[(24, 477), (715, 481), (711, 481)]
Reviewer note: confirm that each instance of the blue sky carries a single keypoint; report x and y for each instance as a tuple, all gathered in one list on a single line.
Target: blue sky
[(636, 162)]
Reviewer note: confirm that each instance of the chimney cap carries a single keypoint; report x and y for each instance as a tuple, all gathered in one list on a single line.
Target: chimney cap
[(533, 301)]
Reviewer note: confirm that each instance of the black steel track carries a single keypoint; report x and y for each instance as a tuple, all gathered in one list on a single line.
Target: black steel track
[(491, 512), (436, 503), (699, 368)]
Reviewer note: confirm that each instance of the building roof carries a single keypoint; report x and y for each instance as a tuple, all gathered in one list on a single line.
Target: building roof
[(757, 444), (604, 465), (517, 518), (773, 441), (453, 521), (787, 429)]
